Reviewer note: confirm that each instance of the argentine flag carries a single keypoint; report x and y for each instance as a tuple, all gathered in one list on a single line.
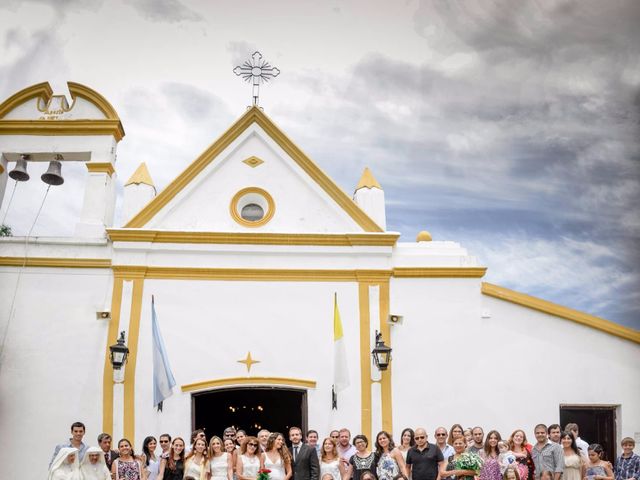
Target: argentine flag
[(163, 380)]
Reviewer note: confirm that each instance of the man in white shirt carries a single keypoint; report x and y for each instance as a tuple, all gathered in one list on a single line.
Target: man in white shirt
[(441, 442)]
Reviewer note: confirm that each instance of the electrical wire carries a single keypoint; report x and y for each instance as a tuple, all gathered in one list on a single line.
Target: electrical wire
[(12, 310), (15, 185)]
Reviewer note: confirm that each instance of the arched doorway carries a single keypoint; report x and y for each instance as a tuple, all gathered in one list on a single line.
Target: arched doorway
[(250, 409)]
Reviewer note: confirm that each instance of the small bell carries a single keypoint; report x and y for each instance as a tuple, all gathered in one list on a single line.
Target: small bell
[(53, 175), (19, 173)]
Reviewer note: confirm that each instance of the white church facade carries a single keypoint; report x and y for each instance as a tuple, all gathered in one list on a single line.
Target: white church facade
[(244, 253)]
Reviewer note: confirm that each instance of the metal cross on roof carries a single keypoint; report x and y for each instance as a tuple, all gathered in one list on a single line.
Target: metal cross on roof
[(256, 71)]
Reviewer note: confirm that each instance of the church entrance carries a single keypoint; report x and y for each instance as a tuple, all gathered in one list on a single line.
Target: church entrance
[(250, 409), (596, 424)]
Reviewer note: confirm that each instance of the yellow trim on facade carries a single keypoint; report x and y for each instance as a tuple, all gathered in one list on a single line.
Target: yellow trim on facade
[(107, 373), (101, 167), (248, 274), (39, 90), (228, 382), (62, 127), (141, 175), (567, 313), (82, 91), (1, 169), (52, 262), (367, 180), (235, 214), (386, 386), (365, 360), (437, 272), (253, 115), (255, 238), (130, 368)]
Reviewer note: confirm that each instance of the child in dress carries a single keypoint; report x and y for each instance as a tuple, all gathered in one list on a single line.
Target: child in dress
[(598, 469), (506, 457)]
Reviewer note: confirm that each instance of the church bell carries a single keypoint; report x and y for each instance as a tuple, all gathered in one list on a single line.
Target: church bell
[(53, 175), (19, 173)]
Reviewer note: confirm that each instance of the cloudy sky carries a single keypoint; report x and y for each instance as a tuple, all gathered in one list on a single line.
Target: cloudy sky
[(510, 127)]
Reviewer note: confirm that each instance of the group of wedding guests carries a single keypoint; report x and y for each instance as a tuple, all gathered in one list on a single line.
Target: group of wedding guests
[(457, 454)]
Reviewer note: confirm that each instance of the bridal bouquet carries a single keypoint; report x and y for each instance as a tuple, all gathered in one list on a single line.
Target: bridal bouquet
[(263, 474), (468, 461)]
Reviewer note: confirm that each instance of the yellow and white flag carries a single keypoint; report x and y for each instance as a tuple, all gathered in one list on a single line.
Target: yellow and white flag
[(340, 368)]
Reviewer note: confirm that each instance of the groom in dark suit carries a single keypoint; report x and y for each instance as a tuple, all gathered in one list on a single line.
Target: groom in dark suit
[(304, 459)]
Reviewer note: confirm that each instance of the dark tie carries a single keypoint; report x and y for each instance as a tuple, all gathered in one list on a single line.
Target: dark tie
[(295, 453), (106, 458)]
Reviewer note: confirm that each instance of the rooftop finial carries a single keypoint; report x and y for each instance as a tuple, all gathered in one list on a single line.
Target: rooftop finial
[(257, 70)]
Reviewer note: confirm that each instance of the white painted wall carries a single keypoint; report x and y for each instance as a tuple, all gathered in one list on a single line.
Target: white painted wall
[(208, 325), (512, 370), (51, 372)]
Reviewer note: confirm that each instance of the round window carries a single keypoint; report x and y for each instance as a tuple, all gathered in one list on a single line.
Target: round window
[(252, 212), (252, 207)]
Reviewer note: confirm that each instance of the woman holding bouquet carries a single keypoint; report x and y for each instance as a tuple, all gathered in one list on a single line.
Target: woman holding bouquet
[(276, 458), (452, 470), (491, 468)]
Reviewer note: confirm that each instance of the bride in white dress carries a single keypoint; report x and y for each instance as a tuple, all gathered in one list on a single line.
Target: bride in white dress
[(276, 458)]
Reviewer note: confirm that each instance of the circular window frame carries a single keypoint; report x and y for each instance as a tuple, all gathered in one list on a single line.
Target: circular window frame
[(246, 196)]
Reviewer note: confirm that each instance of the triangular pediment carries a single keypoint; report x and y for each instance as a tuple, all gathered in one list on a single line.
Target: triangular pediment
[(253, 163)]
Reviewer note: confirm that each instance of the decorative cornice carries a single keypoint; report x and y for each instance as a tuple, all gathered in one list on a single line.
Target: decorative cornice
[(554, 309), (129, 271), (109, 126), (82, 91), (101, 167), (39, 90), (62, 127), (253, 115), (437, 272), (254, 238), (55, 262), (225, 382)]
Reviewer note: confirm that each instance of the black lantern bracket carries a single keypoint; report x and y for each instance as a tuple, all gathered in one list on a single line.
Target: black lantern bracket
[(119, 353), (381, 353)]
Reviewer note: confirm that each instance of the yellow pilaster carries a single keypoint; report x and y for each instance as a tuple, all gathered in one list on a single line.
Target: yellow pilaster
[(385, 382), (112, 337), (130, 371), (365, 359)]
